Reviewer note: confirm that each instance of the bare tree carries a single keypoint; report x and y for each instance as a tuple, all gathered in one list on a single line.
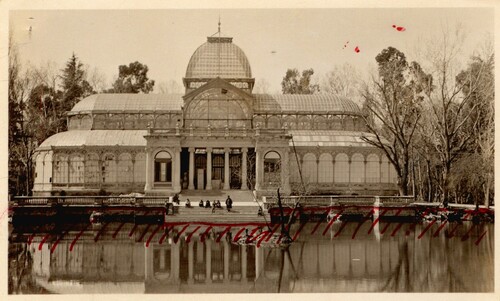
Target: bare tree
[(169, 87), (451, 101), (343, 80)]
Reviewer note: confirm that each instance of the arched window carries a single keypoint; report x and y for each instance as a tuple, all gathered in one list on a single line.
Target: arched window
[(393, 176), (109, 168), (272, 167), (258, 122), (76, 169), (384, 170), (162, 122), (310, 168), (61, 169), (140, 168), (304, 123), (289, 123), (357, 168), (294, 169), (125, 168), (325, 168), (273, 122), (163, 167), (320, 123), (341, 168), (92, 172), (86, 123), (372, 169)]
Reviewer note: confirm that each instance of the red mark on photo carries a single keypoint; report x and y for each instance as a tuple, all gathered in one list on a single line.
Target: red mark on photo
[(202, 237), (341, 228), (43, 241), (398, 28), (375, 222), (440, 228), (426, 229), (357, 49), (152, 235), (30, 239), (222, 234), (298, 231), (76, 238), (330, 223), (480, 238), (238, 234), (188, 238), (396, 229), (162, 238), (272, 232), (118, 230), (467, 234)]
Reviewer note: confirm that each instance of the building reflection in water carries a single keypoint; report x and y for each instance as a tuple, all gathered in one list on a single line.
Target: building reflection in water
[(324, 263)]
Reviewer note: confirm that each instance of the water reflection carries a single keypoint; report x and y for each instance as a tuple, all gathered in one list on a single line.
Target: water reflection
[(128, 258)]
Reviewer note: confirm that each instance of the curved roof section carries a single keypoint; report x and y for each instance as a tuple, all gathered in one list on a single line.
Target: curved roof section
[(330, 138), (218, 57), (129, 102), (78, 138), (305, 103)]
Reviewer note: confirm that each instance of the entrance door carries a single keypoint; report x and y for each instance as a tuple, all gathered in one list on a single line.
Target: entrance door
[(217, 171), (200, 164), (235, 171)]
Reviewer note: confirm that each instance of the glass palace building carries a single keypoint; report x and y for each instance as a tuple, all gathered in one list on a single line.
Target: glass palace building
[(218, 135)]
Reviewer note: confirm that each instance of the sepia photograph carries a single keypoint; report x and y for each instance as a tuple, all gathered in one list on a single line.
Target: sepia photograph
[(249, 150)]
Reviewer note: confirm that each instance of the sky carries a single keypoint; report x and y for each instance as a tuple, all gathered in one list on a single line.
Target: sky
[(272, 39)]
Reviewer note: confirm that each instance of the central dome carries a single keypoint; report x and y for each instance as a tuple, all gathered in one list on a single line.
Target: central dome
[(219, 57)]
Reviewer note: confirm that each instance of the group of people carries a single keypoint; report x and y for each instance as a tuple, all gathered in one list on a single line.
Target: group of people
[(215, 205)]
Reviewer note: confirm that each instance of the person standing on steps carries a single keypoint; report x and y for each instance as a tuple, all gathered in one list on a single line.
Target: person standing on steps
[(229, 203)]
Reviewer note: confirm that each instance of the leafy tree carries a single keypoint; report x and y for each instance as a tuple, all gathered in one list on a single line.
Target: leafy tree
[(74, 85), (132, 79), (394, 107), (293, 83)]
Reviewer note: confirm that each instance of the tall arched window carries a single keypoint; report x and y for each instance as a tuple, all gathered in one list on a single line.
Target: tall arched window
[(140, 168), (393, 176), (325, 168), (357, 168), (310, 168), (272, 167), (163, 167), (341, 168), (372, 169), (92, 172), (109, 168), (61, 169), (294, 169), (76, 169), (384, 170), (125, 168), (273, 122)]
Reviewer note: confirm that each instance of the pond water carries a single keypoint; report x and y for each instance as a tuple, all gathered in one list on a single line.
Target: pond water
[(118, 257)]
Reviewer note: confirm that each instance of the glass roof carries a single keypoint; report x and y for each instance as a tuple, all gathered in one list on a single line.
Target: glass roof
[(130, 102), (308, 103), (218, 57), (97, 138)]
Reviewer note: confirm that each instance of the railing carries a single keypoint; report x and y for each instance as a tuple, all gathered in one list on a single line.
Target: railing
[(339, 200), (90, 201), (217, 132)]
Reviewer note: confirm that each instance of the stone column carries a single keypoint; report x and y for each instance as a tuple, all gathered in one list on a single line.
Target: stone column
[(285, 172), (259, 262), (147, 187), (208, 267), (244, 180), (258, 169), (226, 168), (191, 168), (244, 264), (148, 263), (365, 164), (209, 169), (177, 170), (190, 263), (175, 262), (227, 255)]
